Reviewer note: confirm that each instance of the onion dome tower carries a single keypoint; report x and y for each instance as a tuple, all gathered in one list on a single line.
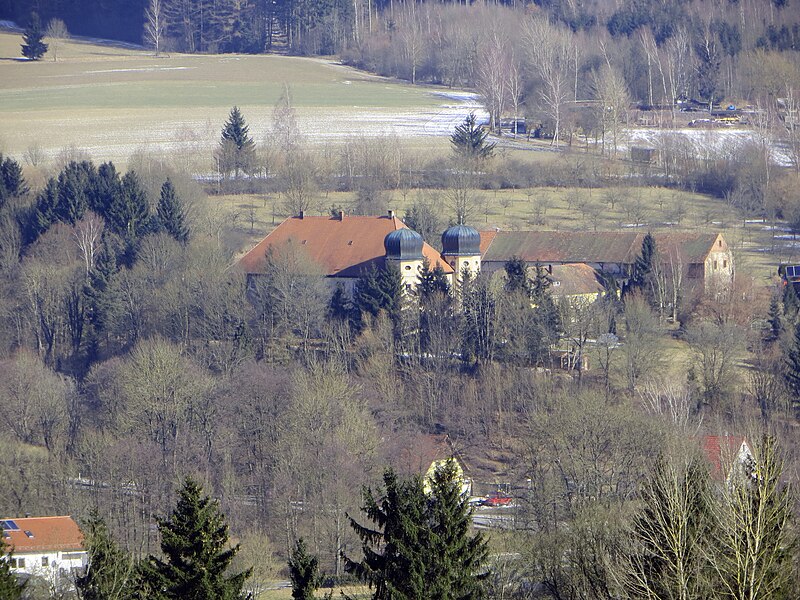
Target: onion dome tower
[(461, 248), (404, 248)]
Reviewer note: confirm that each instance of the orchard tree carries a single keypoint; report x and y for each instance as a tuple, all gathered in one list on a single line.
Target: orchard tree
[(33, 48), (194, 543)]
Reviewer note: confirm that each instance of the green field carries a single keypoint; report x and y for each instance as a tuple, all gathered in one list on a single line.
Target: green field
[(113, 101)]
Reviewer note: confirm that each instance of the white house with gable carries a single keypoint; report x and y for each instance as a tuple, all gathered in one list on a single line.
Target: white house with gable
[(47, 547)]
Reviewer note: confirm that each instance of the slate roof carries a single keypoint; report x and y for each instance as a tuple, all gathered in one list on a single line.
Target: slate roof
[(342, 247), (50, 534), (574, 279), (589, 247)]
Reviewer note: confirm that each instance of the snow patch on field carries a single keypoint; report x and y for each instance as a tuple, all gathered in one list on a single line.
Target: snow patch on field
[(707, 143), (138, 69)]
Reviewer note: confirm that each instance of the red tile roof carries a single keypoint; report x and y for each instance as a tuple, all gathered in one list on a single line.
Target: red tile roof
[(49, 534), (590, 247), (721, 451), (342, 247)]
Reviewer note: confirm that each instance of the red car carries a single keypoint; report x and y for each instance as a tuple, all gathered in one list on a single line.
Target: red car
[(498, 499)]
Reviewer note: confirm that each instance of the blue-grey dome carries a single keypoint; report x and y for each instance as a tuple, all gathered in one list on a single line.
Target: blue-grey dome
[(461, 240), (403, 244)]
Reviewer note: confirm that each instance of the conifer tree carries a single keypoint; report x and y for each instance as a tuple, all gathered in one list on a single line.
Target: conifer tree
[(237, 150), (303, 572), (106, 189), (431, 281), (170, 213), (194, 543), (791, 303), (10, 588), (73, 191), (775, 319), (33, 47), (469, 140), (379, 289), (44, 212), (457, 557), (517, 280), (395, 547), (111, 572), (792, 372), (128, 213), (11, 177), (643, 267)]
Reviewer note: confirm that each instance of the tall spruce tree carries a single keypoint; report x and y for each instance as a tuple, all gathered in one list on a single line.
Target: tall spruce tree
[(128, 214), (643, 267), (10, 586), (791, 303), (303, 572), (395, 546), (44, 212), (792, 372), (774, 319), (170, 213), (194, 543), (469, 140), (379, 289), (517, 280), (236, 148), (11, 177), (111, 572), (74, 184), (456, 570), (33, 47)]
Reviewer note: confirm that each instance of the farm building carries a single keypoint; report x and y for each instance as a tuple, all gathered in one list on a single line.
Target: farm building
[(704, 258), (343, 247), (47, 547)]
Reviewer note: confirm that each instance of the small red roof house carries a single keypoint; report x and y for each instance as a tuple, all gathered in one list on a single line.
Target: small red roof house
[(724, 453), (425, 453), (343, 247), (49, 547)]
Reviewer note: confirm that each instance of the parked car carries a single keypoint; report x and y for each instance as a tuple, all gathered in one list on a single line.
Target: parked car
[(496, 499)]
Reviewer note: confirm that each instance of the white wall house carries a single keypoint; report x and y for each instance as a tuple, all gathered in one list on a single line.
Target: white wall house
[(47, 547)]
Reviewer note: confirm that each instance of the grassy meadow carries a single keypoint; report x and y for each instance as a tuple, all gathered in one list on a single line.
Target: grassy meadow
[(114, 101)]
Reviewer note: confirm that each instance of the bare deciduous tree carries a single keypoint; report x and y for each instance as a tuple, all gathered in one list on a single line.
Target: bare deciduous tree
[(56, 35), (87, 233), (550, 51), (155, 25)]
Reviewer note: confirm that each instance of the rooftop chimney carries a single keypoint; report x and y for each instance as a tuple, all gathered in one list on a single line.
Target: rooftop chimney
[(391, 214), (341, 215), (302, 214)]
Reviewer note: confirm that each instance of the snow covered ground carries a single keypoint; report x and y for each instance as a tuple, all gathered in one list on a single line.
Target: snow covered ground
[(706, 142)]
